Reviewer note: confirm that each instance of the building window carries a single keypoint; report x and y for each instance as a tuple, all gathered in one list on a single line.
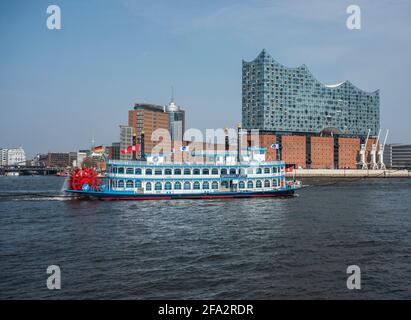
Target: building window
[(158, 186), (167, 186), (187, 185), (177, 186), (250, 184), (148, 186), (214, 185), (206, 185), (196, 185)]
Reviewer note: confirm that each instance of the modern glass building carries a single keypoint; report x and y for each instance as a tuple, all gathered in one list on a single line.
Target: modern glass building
[(281, 99)]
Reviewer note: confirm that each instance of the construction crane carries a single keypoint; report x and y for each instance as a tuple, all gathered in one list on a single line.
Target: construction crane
[(373, 153), (363, 161), (381, 163)]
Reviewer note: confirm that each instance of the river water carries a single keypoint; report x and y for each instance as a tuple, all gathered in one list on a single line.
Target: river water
[(295, 248)]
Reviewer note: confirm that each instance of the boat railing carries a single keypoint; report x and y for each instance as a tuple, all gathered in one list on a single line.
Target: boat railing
[(199, 163)]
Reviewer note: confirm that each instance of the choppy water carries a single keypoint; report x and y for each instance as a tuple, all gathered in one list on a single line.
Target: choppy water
[(208, 249)]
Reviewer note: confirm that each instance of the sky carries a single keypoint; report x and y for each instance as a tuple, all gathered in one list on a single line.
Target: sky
[(61, 88)]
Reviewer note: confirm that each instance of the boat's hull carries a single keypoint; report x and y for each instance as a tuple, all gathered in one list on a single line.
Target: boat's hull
[(111, 196)]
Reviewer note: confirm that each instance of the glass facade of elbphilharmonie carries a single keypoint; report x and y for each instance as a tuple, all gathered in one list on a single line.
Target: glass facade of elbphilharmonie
[(281, 99)]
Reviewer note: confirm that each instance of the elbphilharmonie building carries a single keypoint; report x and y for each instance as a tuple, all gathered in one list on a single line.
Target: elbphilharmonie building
[(281, 99)]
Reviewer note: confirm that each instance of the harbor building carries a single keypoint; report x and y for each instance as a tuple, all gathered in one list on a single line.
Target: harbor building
[(147, 118), (12, 157), (313, 125), (398, 156), (126, 140)]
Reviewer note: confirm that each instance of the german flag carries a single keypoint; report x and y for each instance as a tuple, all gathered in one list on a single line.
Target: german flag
[(99, 149)]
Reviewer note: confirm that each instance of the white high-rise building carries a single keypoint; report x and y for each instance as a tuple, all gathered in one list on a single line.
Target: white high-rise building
[(12, 157)]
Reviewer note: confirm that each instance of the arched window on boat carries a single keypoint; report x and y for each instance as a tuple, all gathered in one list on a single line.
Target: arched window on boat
[(214, 171), (120, 183), (167, 186), (121, 170), (114, 183), (148, 186), (196, 185), (149, 172), (130, 184), (167, 172), (177, 172), (258, 184), (275, 183), (266, 183), (206, 171), (258, 171), (266, 170), (274, 169), (206, 185), (250, 170), (129, 171), (214, 185), (250, 184), (187, 171), (177, 186), (158, 172), (233, 171), (196, 172), (242, 171), (114, 169), (241, 185), (187, 185), (137, 171), (223, 171), (158, 186), (137, 184)]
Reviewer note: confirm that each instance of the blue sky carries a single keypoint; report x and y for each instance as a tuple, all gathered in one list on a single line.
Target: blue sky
[(58, 88)]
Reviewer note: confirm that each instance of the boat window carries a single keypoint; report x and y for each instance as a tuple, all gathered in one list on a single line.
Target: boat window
[(129, 184), (187, 171), (196, 185), (206, 171), (250, 170), (224, 184), (266, 170), (187, 185), (167, 172), (137, 171), (241, 185), (129, 171), (158, 186), (121, 170), (149, 172), (233, 171), (266, 183), (258, 184), (275, 183), (114, 169), (223, 171), (214, 185), (120, 183), (148, 186), (259, 171), (214, 171), (206, 185), (196, 172), (167, 186), (137, 183), (114, 184), (250, 184), (177, 171), (274, 170), (158, 172), (177, 186), (242, 171)]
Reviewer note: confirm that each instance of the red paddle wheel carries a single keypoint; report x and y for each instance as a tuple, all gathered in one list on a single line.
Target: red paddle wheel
[(80, 177)]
